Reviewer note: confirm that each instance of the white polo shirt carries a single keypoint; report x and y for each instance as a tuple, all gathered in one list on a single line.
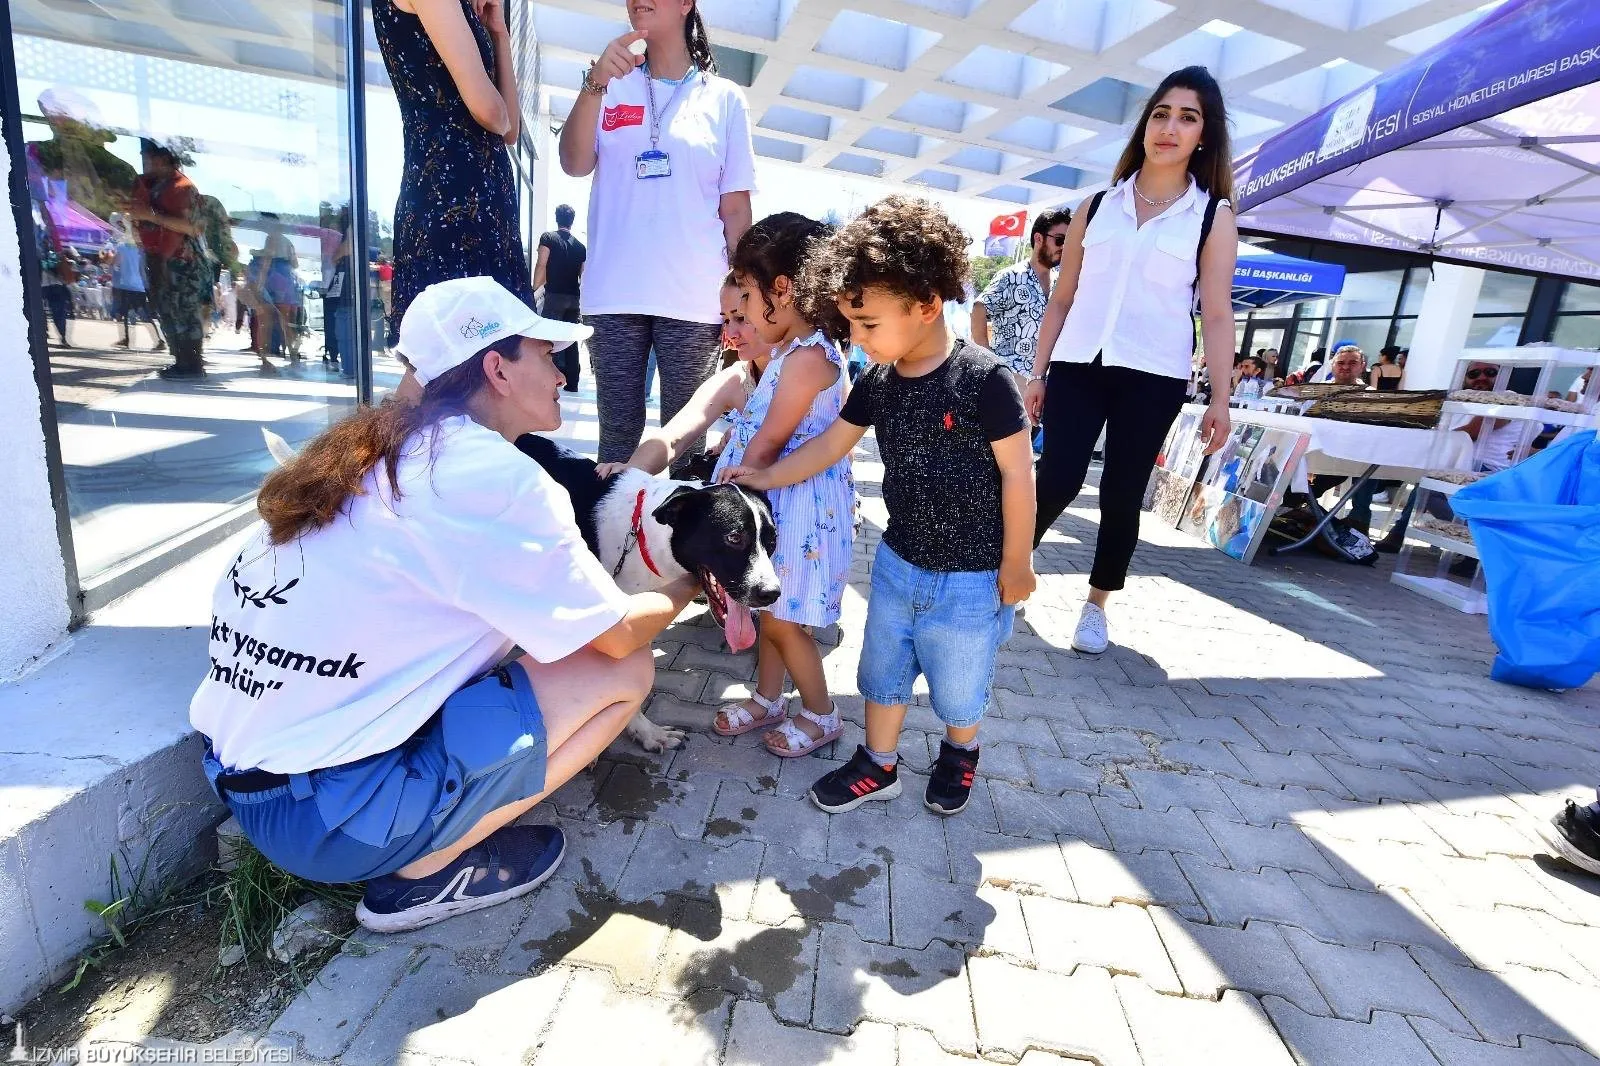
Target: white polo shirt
[(656, 245), (1134, 304), (342, 643)]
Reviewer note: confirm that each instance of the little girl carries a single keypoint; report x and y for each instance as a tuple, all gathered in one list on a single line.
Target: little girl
[(792, 390), (778, 399), (799, 396)]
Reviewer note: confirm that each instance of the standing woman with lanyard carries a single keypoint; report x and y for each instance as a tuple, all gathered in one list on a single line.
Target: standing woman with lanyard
[(668, 143), (1118, 332)]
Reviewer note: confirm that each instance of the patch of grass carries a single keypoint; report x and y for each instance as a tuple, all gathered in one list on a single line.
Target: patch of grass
[(134, 903), (255, 897)]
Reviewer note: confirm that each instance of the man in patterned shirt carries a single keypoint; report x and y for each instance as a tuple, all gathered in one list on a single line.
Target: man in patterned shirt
[(1006, 318)]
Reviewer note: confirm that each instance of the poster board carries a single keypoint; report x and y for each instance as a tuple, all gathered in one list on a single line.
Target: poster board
[(1226, 500)]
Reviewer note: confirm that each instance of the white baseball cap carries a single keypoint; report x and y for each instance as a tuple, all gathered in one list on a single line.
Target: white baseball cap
[(451, 321)]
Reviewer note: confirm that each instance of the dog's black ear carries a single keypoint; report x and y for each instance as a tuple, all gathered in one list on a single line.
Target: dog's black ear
[(667, 510)]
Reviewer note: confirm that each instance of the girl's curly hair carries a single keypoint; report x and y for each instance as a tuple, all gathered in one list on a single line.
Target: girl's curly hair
[(906, 246), (778, 246)]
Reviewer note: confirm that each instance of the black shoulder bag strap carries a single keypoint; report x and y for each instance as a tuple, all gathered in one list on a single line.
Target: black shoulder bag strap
[(1199, 249), (1094, 205)]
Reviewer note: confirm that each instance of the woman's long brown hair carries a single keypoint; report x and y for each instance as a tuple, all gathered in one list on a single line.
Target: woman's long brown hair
[(1212, 162), (314, 487)]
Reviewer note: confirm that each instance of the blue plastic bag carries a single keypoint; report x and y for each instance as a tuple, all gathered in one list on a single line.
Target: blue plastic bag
[(1537, 529)]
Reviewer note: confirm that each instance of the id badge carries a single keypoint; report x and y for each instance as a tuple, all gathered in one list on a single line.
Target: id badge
[(654, 164)]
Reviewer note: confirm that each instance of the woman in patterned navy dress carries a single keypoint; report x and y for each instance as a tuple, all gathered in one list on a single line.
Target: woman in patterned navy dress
[(450, 62)]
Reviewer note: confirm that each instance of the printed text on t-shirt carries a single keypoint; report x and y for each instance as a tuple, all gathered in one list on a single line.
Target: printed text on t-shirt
[(249, 652)]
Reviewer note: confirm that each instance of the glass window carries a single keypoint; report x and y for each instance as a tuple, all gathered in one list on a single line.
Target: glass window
[(1373, 293), (1504, 294), (1311, 335), (190, 215), (1577, 331), (1267, 335), (1494, 331), (1405, 329), (1416, 288), (386, 158), (1370, 333), (1580, 297)]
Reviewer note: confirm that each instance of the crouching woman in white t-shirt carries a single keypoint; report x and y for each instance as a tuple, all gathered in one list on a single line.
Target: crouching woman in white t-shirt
[(363, 721)]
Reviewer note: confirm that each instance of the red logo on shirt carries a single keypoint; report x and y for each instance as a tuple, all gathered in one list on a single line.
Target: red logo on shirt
[(614, 118), (949, 421)]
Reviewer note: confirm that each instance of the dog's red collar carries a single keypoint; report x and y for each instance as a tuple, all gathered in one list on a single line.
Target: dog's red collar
[(637, 533)]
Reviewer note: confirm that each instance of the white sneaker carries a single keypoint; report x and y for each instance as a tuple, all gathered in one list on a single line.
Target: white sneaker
[(1090, 635)]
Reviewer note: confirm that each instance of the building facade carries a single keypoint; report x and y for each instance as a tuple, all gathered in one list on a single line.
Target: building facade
[(287, 139), (1384, 297)]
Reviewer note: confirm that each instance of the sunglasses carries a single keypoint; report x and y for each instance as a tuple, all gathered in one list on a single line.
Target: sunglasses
[(1480, 373), (1058, 239)]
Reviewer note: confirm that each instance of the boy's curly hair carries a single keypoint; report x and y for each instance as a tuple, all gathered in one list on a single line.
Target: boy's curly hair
[(903, 245), (779, 246)]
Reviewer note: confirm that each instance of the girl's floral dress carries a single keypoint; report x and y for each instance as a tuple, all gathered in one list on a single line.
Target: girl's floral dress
[(816, 518)]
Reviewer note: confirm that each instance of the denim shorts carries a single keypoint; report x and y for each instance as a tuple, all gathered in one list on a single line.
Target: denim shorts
[(948, 627), (484, 749)]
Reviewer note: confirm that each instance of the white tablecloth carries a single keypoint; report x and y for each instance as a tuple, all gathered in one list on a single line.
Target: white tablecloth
[(1348, 448)]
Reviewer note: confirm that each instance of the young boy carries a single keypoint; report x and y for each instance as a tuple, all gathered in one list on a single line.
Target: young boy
[(958, 482)]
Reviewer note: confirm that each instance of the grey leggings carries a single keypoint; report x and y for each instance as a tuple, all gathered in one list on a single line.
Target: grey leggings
[(686, 354)]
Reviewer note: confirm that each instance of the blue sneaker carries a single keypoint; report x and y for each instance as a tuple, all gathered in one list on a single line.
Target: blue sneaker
[(510, 862)]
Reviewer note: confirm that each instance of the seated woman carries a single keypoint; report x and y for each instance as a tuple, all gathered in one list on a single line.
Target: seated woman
[(363, 719)]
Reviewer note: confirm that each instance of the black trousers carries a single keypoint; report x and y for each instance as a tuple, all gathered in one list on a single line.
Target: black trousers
[(563, 307), (1136, 410), (58, 301)]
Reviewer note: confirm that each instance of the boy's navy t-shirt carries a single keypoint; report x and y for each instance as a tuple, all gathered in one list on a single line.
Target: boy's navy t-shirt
[(941, 483)]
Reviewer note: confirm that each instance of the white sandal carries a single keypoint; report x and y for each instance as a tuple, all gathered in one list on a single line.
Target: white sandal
[(797, 742), (741, 721)]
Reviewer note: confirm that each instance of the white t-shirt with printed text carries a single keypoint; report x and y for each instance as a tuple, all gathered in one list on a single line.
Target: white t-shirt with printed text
[(656, 245), (342, 643)]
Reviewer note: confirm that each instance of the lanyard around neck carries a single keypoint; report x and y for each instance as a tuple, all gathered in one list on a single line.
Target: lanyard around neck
[(650, 95)]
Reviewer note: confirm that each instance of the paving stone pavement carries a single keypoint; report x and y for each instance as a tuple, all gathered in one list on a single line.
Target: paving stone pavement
[(1285, 818)]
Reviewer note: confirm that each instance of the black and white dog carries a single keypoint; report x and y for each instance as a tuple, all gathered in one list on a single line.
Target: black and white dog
[(649, 531)]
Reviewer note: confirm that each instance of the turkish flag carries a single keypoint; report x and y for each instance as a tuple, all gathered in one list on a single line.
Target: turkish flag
[(1008, 225)]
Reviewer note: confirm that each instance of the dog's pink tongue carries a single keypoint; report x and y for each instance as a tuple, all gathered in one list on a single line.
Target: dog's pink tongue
[(739, 627)]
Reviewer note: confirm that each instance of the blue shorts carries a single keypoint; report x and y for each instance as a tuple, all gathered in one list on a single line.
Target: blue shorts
[(484, 749), (948, 627)]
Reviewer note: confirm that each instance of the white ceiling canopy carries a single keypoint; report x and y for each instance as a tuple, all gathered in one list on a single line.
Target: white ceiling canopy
[(1021, 101)]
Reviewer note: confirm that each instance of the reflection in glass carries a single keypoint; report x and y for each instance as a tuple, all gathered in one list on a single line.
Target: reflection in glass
[(1494, 331), (1577, 331), (1504, 294), (1370, 293), (189, 215), (1416, 290), (1311, 335), (1579, 297), (1369, 334)]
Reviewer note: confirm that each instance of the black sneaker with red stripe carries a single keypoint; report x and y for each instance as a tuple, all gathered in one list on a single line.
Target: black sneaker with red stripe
[(950, 780), (857, 781)]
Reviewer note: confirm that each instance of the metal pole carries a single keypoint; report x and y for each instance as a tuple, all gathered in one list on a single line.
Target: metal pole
[(33, 309), (355, 61)]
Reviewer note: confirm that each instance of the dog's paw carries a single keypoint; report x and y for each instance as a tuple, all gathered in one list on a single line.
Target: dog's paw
[(655, 738)]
